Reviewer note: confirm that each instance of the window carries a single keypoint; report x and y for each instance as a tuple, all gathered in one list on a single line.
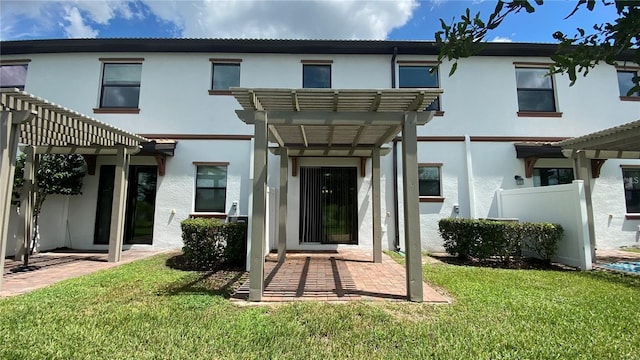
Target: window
[(316, 76), (13, 76), (420, 76), (626, 81), (211, 188), (535, 90), (120, 85), (429, 181), (225, 74), (552, 176), (631, 181)]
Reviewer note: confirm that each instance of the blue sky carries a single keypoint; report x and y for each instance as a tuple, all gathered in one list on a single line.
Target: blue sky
[(318, 19)]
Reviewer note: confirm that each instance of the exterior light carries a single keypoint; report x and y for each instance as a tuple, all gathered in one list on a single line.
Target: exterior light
[(519, 180)]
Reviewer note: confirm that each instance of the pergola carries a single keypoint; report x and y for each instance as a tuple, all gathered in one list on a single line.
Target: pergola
[(46, 128), (335, 122), (588, 152)]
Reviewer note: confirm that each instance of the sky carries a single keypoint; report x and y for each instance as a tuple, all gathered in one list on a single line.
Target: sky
[(278, 19)]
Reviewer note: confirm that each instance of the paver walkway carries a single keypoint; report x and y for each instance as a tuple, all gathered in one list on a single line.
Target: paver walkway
[(335, 276), (51, 267)]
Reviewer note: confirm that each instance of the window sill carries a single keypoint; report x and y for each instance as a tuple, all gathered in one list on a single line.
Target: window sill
[(431, 199), (539, 114), (116, 111), (438, 113), (632, 216), (220, 92), (208, 215), (630, 98)]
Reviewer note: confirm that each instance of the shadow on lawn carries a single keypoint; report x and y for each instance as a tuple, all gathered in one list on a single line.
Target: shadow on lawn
[(522, 264), (219, 281)]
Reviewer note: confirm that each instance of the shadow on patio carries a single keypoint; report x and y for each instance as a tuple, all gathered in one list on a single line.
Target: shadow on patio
[(334, 276)]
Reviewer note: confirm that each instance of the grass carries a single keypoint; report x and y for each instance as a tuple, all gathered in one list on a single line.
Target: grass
[(631, 249), (144, 310)]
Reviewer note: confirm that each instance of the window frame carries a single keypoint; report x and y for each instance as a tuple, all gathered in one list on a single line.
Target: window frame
[(552, 90), (628, 69), (213, 212), (431, 198), (322, 63), (552, 168), (17, 62), (221, 61), (631, 215), (101, 109), (427, 64)]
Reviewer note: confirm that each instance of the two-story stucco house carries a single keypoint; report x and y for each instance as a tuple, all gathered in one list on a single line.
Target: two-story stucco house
[(485, 133)]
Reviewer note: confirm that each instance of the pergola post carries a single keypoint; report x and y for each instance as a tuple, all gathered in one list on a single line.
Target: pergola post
[(375, 196), (282, 210), (582, 169), (118, 205), (26, 203), (258, 214), (9, 135), (412, 239)]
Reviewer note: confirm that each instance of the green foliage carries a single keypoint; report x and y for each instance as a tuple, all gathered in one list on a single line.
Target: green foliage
[(575, 54), (208, 243), (483, 239)]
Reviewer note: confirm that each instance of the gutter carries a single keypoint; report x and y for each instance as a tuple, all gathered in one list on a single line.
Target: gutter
[(396, 217)]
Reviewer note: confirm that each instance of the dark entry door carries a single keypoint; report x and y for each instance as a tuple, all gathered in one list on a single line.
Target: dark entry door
[(328, 205), (141, 199)]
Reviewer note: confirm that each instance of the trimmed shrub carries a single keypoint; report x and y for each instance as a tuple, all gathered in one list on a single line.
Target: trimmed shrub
[(483, 239), (208, 243)]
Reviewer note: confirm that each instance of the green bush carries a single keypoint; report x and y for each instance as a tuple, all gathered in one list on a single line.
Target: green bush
[(483, 239), (208, 243)]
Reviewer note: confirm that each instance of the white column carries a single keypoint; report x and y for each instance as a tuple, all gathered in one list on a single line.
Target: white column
[(375, 196), (413, 249), (258, 223), (118, 206), (9, 136), (27, 199), (582, 170), (282, 210)]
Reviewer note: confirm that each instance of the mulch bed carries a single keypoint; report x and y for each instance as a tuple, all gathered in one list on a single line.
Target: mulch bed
[(522, 264)]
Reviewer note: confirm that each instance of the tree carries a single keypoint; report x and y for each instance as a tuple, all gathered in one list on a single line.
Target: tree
[(56, 174), (575, 54)]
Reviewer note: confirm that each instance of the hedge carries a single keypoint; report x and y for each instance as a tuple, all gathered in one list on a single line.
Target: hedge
[(483, 239), (209, 243)]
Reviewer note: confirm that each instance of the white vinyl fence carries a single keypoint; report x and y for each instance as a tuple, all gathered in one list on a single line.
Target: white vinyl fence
[(561, 204)]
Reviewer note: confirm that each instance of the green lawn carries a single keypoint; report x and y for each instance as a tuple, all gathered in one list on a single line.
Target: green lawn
[(145, 310), (631, 249)]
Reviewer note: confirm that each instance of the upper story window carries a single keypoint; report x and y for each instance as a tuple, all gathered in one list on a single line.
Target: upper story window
[(536, 96), (316, 74), (225, 74), (13, 75), (211, 187), (430, 182), (627, 80), (413, 75), (552, 176), (120, 91)]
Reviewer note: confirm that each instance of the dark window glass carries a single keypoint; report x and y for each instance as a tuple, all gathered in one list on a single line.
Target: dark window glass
[(535, 90), (211, 188), (13, 76), (415, 76), (631, 181), (316, 76), (552, 176), (225, 76), (626, 81), (429, 180), (121, 85)]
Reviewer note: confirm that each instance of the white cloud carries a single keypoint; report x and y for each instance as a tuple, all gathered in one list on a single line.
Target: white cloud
[(320, 19), (76, 28), (501, 39)]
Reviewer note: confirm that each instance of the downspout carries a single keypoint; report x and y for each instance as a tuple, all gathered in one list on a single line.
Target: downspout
[(471, 189), (396, 216)]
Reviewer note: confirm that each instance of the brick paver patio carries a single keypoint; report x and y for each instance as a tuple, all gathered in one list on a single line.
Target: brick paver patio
[(51, 267), (335, 276)]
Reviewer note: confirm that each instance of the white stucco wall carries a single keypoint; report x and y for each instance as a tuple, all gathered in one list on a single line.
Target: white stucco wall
[(479, 100)]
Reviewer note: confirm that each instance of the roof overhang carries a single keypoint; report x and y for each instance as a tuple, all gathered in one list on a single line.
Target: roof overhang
[(56, 129), (334, 122), (538, 150), (619, 142)]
